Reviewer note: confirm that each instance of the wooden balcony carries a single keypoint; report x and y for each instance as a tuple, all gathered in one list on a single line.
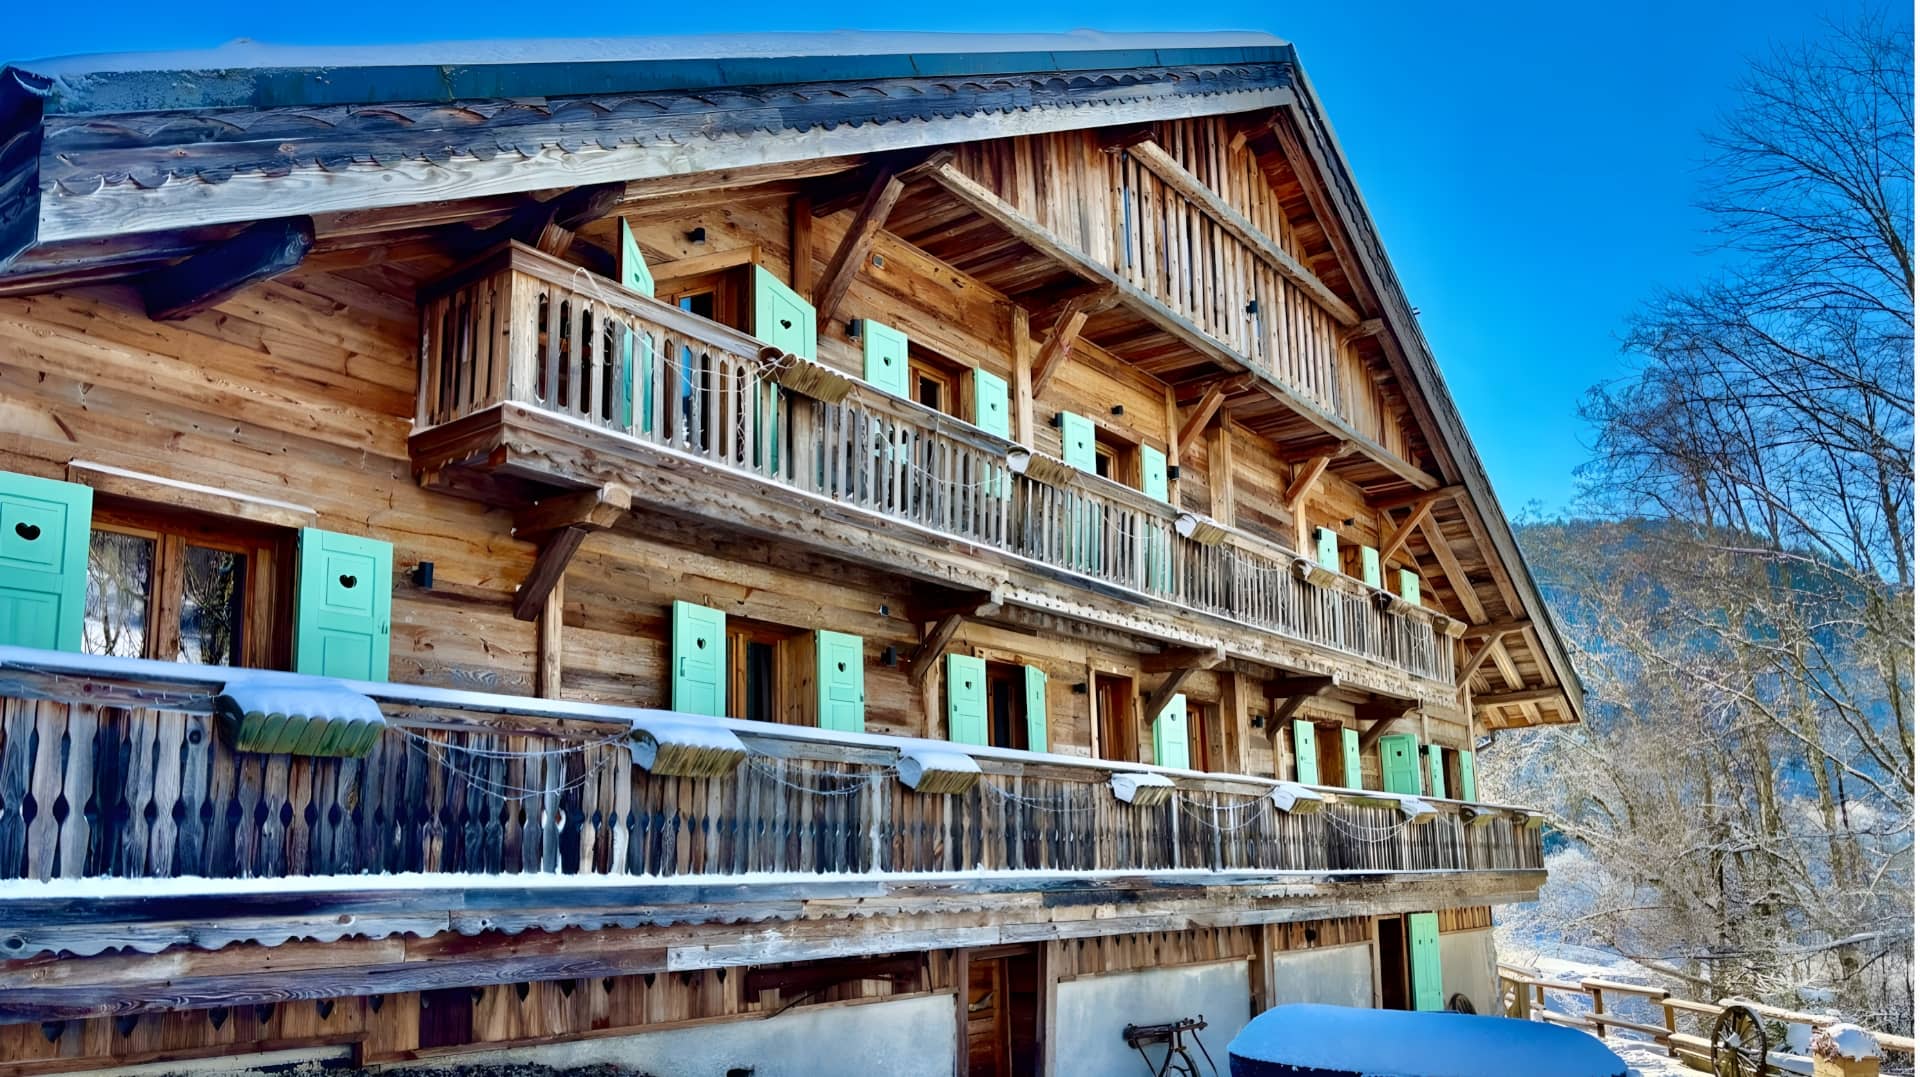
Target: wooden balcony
[(538, 375), (119, 769)]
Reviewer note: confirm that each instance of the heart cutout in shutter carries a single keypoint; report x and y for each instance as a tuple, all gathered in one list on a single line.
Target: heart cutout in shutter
[(26, 530), (347, 581), (786, 323), (842, 666)]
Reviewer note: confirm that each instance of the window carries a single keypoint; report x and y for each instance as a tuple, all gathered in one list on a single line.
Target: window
[(1006, 705), (1201, 722), (760, 672), (1114, 706), (936, 383), (183, 588), (1115, 458)]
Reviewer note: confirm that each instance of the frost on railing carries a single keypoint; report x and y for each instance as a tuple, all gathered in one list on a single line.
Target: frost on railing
[(117, 768), (534, 330)]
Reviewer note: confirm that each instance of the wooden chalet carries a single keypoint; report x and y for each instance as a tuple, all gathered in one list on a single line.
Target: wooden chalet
[(766, 556)]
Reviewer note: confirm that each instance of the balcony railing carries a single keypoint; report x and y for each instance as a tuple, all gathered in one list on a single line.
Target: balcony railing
[(521, 327), (119, 768)]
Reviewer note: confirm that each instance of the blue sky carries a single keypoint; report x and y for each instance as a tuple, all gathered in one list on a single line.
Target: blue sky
[(1532, 166)]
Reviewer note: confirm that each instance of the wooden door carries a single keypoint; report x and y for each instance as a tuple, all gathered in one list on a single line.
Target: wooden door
[(989, 1020)]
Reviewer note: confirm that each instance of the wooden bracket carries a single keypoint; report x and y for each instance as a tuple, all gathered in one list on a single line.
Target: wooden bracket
[(560, 524), (548, 226), (1372, 327), (1168, 688), (1515, 698), (926, 654), (1477, 659), (1174, 658), (1383, 714), (1198, 419), (260, 252), (1293, 692), (1421, 510), (882, 193), (1065, 333)]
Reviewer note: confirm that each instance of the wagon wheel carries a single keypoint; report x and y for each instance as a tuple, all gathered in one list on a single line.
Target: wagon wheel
[(1739, 1044)]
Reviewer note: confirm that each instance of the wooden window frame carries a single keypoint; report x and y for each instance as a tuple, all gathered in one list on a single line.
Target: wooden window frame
[(954, 379), (266, 640), (788, 707), (1126, 725), (1203, 717), (1014, 675)]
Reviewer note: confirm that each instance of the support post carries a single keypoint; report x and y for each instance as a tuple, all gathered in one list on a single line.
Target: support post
[(882, 194)]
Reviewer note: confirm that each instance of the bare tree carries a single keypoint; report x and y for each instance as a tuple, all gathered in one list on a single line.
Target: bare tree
[(1744, 796)]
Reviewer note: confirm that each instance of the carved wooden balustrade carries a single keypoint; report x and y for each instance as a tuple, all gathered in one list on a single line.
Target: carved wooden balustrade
[(519, 327), (119, 768)]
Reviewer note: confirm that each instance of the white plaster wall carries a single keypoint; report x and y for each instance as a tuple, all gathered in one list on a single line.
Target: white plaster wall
[(908, 1038), (1092, 1010), (1335, 975), (1466, 967)]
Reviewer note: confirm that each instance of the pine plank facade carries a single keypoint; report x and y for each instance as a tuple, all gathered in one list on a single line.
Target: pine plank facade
[(953, 444)]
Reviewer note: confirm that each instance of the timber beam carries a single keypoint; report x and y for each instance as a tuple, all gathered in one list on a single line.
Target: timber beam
[(1169, 687), (1065, 333), (926, 654), (546, 226), (1477, 659), (1516, 698), (965, 604), (1398, 539), (1372, 327), (1383, 713), (883, 192), (260, 252), (1293, 692), (1499, 626), (1199, 417), (1174, 658), (560, 524), (1287, 687), (1413, 497)]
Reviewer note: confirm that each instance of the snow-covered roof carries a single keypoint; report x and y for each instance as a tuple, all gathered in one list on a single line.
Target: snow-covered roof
[(1308, 1040), (246, 53), (251, 74)]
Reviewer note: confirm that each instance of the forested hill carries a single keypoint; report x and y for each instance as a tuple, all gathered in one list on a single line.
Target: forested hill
[(1738, 810)]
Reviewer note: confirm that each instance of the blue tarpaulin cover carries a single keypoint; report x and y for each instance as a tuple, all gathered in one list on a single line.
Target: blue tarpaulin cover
[(1305, 1040)]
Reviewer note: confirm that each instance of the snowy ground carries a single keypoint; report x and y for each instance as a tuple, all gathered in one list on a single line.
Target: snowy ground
[(1568, 963)]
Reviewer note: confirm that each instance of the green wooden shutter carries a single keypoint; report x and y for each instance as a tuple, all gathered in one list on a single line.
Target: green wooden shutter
[(1326, 548), (1410, 586), (990, 403), (1350, 757), (1423, 956), (1306, 754), (1170, 733), (45, 532), (1153, 473), (1370, 566), (1469, 791), (699, 660), (886, 354), (780, 317), (1400, 764), (840, 669), (1036, 685), (1076, 441), (1437, 771), (343, 611), (966, 699), (634, 274)]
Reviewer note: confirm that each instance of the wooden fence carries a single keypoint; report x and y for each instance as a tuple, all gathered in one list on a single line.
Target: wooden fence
[(520, 326), (1524, 994), (127, 775)]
